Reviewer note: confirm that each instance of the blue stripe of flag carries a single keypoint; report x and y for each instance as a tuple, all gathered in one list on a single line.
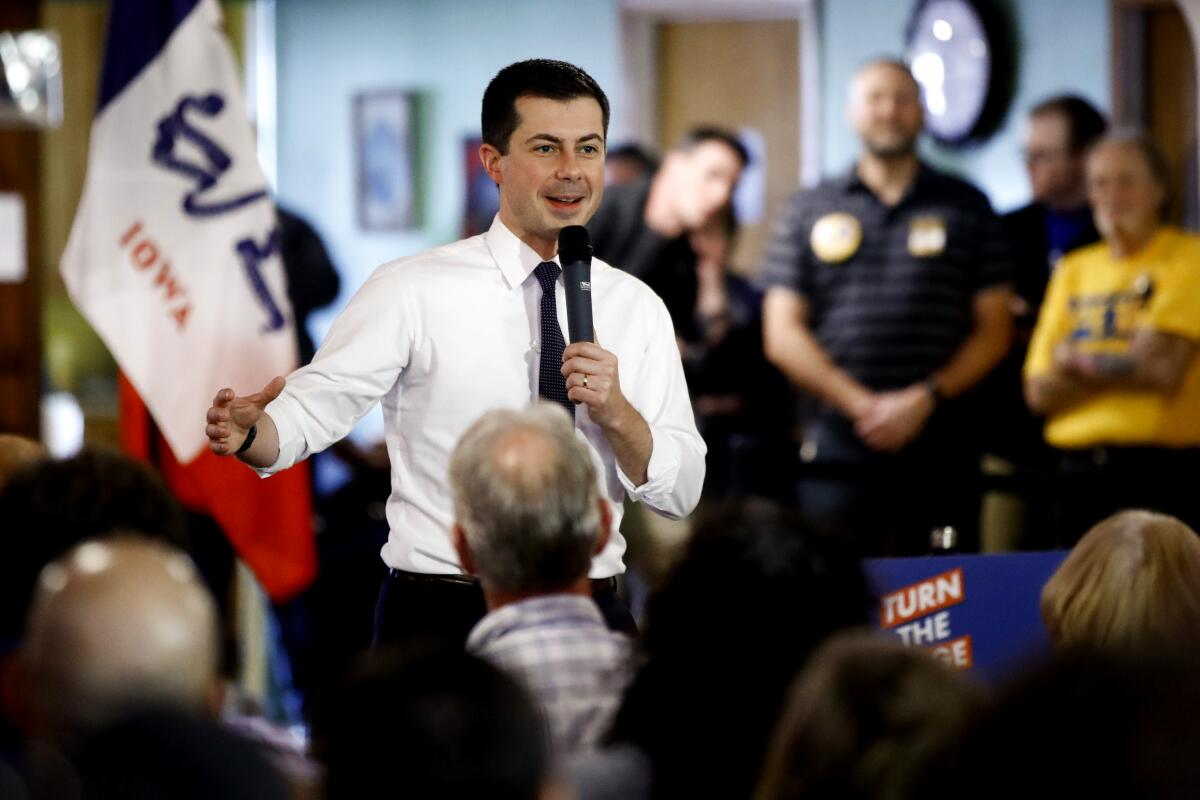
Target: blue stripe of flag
[(138, 30)]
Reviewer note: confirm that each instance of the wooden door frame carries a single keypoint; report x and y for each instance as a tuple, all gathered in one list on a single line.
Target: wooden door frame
[(1127, 68), (639, 42)]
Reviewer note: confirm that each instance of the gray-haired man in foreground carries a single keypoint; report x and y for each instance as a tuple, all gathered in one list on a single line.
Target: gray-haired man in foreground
[(528, 519)]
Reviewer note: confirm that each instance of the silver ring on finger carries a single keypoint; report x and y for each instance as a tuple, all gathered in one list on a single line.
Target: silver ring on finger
[(585, 377)]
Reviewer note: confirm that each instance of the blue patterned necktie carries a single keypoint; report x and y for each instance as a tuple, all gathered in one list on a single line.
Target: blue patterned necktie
[(551, 383)]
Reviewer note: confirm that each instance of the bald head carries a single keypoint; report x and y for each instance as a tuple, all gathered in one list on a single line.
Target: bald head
[(16, 452), (114, 624), (526, 500), (885, 108)]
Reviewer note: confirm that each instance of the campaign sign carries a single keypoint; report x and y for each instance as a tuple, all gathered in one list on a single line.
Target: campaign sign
[(978, 612)]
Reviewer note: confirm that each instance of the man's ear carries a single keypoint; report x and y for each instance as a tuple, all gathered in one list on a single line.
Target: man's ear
[(602, 535), (459, 539), (490, 157)]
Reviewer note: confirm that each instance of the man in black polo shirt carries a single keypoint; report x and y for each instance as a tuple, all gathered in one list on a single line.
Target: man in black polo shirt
[(888, 299)]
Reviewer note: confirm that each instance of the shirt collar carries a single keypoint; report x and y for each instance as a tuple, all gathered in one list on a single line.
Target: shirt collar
[(851, 182), (516, 260), (548, 609)]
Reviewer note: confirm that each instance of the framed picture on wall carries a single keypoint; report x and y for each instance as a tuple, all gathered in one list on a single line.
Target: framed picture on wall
[(482, 196), (385, 141)]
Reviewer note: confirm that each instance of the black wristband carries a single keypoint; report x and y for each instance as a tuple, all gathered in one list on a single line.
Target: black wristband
[(249, 440)]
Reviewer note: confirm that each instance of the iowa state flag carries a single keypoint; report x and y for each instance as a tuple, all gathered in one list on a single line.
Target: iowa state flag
[(174, 260)]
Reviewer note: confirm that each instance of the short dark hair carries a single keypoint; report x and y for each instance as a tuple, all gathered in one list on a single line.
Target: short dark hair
[(642, 156), (1085, 123), (54, 505), (443, 722), (537, 77), (712, 133)]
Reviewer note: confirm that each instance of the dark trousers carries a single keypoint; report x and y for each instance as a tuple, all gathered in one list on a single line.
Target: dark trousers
[(1097, 482), (443, 608), (887, 504)]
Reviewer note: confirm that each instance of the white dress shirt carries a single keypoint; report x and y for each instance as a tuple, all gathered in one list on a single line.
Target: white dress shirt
[(441, 337)]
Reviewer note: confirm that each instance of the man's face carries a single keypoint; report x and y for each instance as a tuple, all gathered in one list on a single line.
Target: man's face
[(702, 181), (885, 110), (1124, 196), (553, 173), (1056, 174)]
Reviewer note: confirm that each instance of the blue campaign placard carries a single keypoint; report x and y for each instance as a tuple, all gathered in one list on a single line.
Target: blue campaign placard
[(978, 612)]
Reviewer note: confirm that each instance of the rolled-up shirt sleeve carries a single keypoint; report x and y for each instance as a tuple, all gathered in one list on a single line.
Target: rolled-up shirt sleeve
[(362, 357), (675, 474)]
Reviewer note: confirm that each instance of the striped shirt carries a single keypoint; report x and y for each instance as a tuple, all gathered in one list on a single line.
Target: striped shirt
[(889, 288), (559, 647)]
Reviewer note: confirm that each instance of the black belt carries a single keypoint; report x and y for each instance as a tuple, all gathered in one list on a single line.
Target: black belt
[(464, 580)]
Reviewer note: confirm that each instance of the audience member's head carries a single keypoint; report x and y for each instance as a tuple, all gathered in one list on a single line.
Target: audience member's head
[(885, 108), (528, 515), (698, 176), (1088, 725), (17, 452), (54, 505), (116, 624), (161, 753), (868, 718), (628, 163), (1132, 583), (1059, 132), (438, 724), (754, 594), (1129, 185)]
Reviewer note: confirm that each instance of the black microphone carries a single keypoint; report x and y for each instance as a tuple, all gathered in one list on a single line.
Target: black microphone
[(575, 255)]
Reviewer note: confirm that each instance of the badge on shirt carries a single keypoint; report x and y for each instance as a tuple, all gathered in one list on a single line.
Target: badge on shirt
[(926, 236), (835, 237)]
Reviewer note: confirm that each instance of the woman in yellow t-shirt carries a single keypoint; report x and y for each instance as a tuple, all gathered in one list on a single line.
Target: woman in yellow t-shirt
[(1112, 364)]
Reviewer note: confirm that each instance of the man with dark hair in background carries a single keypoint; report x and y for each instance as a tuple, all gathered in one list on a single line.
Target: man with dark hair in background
[(442, 337), (528, 519), (1058, 133), (888, 301), (675, 229), (643, 226)]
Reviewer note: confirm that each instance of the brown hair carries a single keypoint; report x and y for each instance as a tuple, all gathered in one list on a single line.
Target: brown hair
[(868, 717), (1132, 581)]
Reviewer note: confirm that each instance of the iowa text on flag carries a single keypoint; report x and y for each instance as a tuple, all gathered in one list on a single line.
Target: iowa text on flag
[(174, 254)]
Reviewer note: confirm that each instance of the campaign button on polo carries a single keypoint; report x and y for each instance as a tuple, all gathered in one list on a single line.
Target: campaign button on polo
[(835, 237), (926, 236)]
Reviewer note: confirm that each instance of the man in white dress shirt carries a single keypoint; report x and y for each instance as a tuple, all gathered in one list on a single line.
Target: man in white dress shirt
[(442, 337)]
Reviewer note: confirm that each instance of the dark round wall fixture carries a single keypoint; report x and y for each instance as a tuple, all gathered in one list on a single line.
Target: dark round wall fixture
[(961, 53)]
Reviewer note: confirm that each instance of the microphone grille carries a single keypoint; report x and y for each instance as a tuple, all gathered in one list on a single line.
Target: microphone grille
[(574, 244)]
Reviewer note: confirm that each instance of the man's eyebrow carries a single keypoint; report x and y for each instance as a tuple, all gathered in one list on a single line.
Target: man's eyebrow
[(549, 137)]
